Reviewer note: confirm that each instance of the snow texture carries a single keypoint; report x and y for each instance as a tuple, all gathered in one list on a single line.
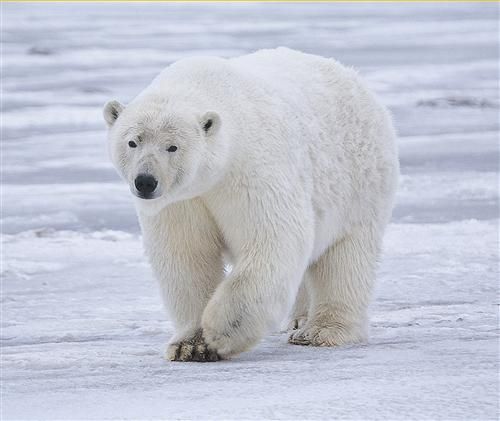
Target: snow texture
[(83, 330)]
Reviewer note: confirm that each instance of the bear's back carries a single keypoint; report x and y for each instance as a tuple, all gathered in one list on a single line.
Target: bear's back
[(284, 72)]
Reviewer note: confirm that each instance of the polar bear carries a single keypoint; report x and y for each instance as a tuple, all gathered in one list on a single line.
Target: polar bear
[(278, 163)]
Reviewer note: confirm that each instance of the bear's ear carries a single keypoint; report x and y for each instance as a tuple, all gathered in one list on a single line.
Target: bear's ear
[(210, 123), (111, 112)]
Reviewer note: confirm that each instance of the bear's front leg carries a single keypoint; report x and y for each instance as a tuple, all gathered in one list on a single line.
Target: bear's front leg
[(253, 299), (184, 247)]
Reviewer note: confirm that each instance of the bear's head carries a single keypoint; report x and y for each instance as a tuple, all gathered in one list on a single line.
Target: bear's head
[(165, 152)]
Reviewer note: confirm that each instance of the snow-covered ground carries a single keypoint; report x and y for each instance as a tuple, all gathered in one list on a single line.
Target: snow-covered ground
[(83, 331)]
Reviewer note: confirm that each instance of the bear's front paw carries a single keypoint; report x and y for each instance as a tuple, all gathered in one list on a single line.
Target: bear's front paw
[(192, 349), (223, 343), (227, 330)]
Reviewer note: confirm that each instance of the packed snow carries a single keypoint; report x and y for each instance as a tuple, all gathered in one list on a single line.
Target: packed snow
[(83, 331)]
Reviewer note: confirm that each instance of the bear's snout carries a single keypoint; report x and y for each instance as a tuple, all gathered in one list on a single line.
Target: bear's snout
[(145, 185)]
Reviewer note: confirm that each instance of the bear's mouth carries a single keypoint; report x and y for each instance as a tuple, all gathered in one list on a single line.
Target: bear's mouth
[(146, 196)]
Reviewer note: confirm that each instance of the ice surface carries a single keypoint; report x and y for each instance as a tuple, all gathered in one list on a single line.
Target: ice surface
[(83, 330)]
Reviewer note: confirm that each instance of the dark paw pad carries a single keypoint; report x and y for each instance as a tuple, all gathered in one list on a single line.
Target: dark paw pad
[(192, 349)]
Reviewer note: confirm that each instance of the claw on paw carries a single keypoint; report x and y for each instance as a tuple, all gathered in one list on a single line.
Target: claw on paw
[(336, 334), (192, 349), (297, 339)]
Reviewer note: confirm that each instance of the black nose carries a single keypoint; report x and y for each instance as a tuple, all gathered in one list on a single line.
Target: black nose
[(145, 185)]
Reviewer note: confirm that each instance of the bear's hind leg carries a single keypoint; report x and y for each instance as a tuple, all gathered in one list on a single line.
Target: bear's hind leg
[(340, 285)]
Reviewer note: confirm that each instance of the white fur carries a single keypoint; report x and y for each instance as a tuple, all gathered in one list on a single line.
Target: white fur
[(294, 180)]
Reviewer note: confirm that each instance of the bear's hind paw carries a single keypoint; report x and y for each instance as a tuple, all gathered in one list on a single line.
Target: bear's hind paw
[(334, 335), (296, 323)]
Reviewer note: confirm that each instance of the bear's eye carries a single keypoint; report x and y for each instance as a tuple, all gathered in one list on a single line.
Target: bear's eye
[(172, 148), (207, 125), (132, 144)]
